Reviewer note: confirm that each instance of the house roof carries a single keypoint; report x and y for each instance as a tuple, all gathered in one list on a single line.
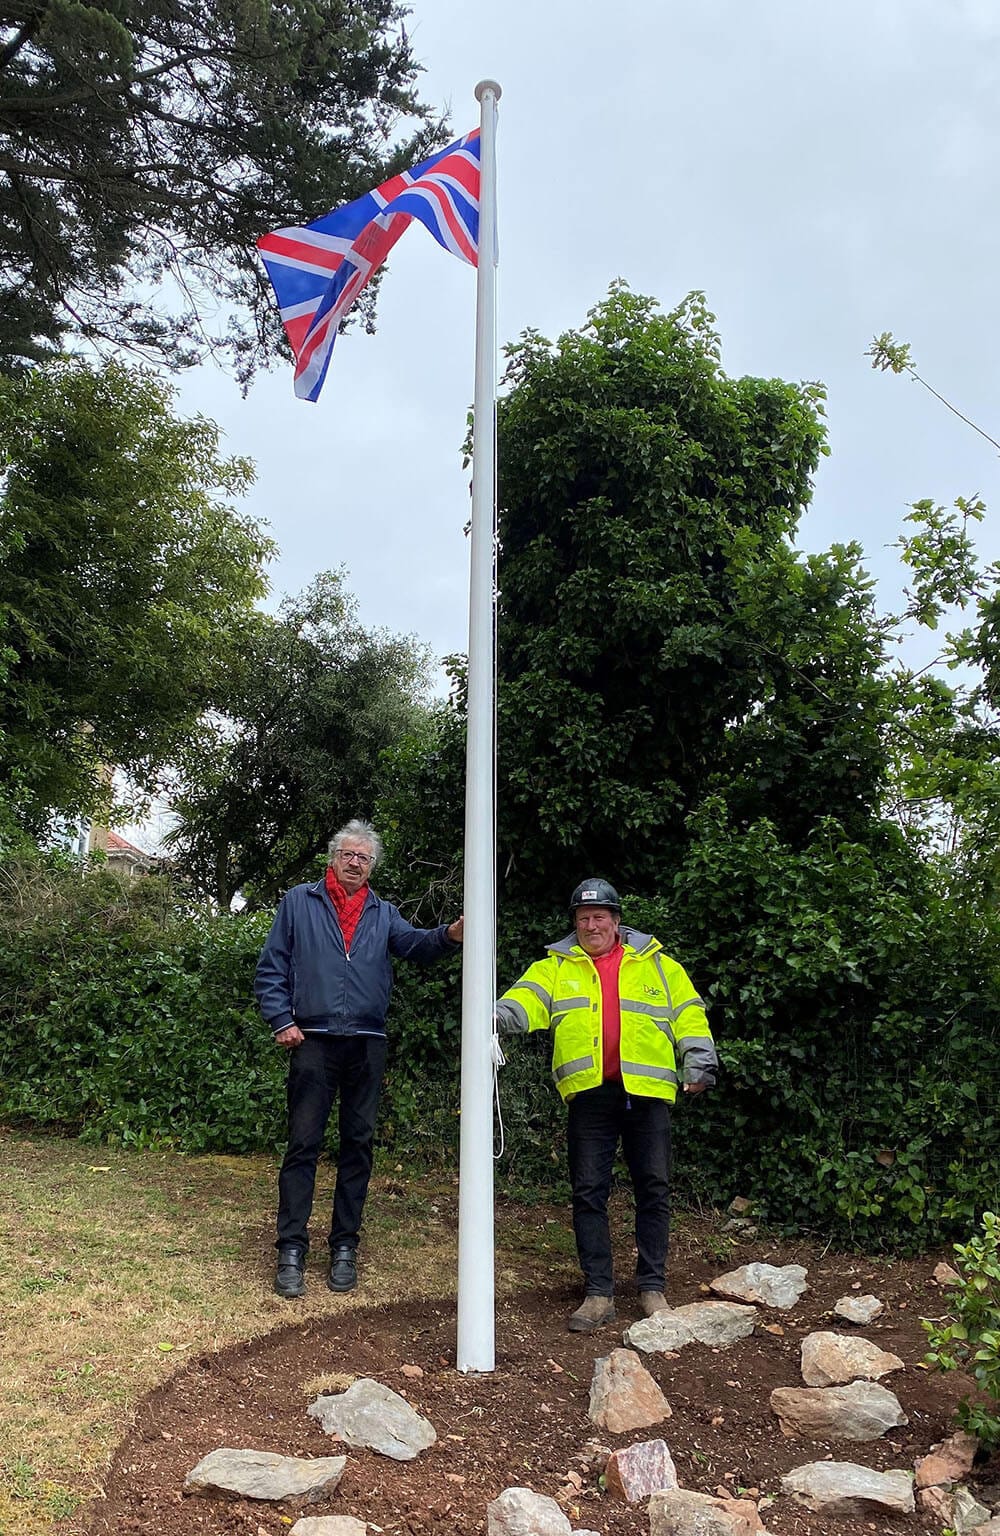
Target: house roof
[(118, 844)]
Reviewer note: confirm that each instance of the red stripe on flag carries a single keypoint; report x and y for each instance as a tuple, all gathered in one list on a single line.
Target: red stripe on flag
[(452, 220), (301, 250)]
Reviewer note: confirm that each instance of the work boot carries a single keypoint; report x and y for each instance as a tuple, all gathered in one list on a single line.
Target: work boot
[(594, 1313), (652, 1302), (343, 1274), (289, 1277)]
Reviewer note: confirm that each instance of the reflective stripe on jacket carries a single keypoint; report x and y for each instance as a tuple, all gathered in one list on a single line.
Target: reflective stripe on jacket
[(665, 1038)]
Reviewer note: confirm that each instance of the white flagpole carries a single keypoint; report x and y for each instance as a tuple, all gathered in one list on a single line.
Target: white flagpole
[(475, 1195)]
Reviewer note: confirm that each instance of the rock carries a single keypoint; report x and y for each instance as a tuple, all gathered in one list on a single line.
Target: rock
[(623, 1395), (594, 1457), (637, 1471), (936, 1502), (948, 1462), (945, 1275), (683, 1513), (844, 1488), (991, 1528), (520, 1512), (740, 1206), (265, 1475), (967, 1514), (701, 1322), (769, 1284), (830, 1359), (328, 1525), (860, 1411), (859, 1309), (739, 1226), (369, 1414)]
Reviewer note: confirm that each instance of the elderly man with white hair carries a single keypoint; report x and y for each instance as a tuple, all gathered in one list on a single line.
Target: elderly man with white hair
[(323, 983)]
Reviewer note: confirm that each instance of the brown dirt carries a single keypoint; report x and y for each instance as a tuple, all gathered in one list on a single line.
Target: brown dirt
[(526, 1423)]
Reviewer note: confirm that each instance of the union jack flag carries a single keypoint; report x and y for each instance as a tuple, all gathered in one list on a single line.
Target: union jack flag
[(317, 270)]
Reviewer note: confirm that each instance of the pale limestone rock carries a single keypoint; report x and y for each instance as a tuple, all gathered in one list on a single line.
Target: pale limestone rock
[(637, 1471), (945, 1275), (623, 1395), (521, 1512), (369, 1414), (769, 1284), (232, 1474), (859, 1309), (740, 1206), (831, 1359), (991, 1528), (845, 1488), (682, 1513), (659, 1333), (862, 1410), (948, 1462), (967, 1512), (716, 1323), (328, 1525)]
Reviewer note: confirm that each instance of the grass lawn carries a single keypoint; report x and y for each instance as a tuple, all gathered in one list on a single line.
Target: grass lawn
[(113, 1265)]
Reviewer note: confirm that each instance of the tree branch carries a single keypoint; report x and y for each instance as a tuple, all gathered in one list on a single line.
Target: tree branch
[(13, 48)]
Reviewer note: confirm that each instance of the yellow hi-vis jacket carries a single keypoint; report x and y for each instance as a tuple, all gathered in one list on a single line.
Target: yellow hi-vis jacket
[(665, 1038)]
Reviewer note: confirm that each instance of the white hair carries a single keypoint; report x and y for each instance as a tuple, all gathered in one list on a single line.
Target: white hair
[(359, 831)]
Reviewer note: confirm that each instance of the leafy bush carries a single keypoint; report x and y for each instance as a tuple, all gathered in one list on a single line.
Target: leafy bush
[(970, 1339), (853, 1006), (858, 1022), (123, 1018)]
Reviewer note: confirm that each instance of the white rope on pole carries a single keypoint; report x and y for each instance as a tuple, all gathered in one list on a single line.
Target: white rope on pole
[(476, 1280)]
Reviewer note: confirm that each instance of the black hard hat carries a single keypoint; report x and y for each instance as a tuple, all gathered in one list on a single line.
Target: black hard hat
[(594, 893)]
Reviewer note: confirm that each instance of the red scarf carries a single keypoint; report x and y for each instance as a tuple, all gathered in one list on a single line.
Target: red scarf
[(347, 908)]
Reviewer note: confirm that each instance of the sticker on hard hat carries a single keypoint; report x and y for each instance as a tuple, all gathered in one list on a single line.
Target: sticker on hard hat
[(588, 895)]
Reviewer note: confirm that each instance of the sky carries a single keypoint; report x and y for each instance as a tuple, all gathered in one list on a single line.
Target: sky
[(823, 172)]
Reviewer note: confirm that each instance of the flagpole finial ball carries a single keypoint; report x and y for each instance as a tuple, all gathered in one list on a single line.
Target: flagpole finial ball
[(488, 85)]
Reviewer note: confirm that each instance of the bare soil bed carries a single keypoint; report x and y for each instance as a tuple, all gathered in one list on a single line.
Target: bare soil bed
[(526, 1423)]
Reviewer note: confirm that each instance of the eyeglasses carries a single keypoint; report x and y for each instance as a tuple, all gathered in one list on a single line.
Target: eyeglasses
[(351, 856)]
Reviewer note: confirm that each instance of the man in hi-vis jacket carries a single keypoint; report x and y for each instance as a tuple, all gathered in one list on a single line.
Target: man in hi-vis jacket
[(628, 1028)]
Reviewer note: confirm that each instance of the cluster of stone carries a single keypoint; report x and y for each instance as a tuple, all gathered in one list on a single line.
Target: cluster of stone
[(367, 1415), (841, 1400), (940, 1491)]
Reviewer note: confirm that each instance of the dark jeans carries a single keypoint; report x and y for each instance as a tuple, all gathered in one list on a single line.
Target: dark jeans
[(597, 1119), (319, 1067)]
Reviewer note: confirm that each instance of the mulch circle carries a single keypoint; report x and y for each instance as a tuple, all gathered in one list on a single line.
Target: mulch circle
[(526, 1423)]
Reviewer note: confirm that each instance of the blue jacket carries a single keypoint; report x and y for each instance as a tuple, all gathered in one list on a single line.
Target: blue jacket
[(306, 977)]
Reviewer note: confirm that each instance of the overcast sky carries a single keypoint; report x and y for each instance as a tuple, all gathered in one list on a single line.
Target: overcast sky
[(823, 172)]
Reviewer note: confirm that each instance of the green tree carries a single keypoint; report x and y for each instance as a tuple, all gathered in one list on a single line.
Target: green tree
[(659, 637), (944, 728), (147, 138), (123, 569), (313, 702)]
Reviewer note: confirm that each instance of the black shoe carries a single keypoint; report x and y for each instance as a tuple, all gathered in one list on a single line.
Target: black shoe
[(289, 1277), (343, 1269)]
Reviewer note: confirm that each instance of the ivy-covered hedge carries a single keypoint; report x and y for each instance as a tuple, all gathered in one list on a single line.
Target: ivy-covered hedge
[(855, 1008), (122, 1020), (858, 1018)]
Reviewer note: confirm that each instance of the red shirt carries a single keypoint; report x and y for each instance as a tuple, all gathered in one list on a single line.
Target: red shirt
[(607, 970)]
